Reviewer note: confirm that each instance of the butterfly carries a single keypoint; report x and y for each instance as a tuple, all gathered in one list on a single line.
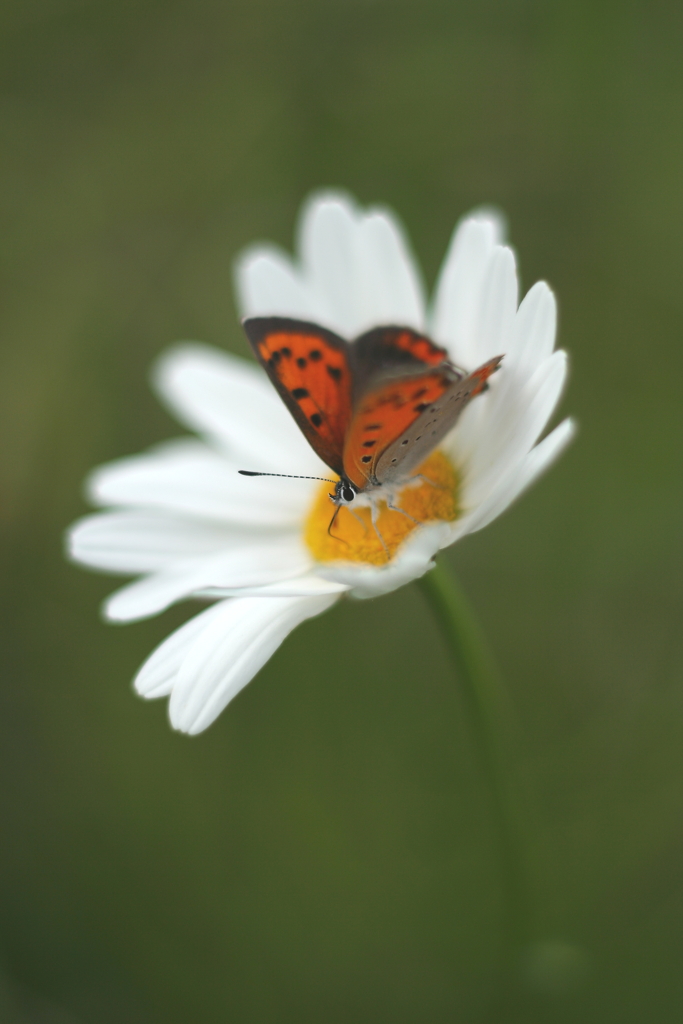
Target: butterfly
[(373, 409)]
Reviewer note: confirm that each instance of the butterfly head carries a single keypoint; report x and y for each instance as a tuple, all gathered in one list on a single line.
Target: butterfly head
[(344, 492)]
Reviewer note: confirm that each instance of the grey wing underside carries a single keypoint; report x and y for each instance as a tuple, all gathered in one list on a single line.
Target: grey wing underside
[(406, 453)]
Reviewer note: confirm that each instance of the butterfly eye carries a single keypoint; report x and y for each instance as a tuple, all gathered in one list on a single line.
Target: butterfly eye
[(348, 494)]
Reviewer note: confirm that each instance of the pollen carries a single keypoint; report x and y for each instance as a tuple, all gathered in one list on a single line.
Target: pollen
[(432, 496)]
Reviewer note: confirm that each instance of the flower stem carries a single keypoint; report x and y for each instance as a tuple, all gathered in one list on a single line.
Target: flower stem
[(489, 712)]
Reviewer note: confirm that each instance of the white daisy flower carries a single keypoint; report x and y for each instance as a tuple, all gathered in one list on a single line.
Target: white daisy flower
[(183, 520)]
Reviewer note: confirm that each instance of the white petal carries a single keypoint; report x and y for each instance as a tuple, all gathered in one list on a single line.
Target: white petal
[(309, 585), (356, 271), (189, 478), (458, 290), (413, 560), (388, 275), (157, 675), (533, 336), (497, 307), (232, 402), (536, 462), (327, 242), (229, 653), (260, 561), (358, 266), (511, 428), (517, 480), (145, 541), (268, 284)]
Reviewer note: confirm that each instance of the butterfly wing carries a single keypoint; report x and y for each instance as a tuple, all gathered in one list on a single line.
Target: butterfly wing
[(388, 352), (384, 415), (396, 373), (373, 410), (309, 367), (407, 451)]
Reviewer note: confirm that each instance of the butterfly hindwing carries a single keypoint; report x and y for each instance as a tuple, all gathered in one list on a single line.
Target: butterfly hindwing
[(387, 352), (392, 383), (310, 368), (383, 416), (406, 452)]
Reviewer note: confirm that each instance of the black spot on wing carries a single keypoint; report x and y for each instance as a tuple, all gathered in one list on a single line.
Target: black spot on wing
[(301, 362), (315, 355), (369, 444), (316, 419), (366, 458), (334, 372), (300, 393)]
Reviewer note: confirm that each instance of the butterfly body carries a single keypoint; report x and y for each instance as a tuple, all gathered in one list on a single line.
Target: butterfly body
[(372, 409)]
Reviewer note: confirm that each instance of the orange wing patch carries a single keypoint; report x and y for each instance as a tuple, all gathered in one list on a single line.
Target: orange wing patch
[(386, 352), (420, 348), (382, 416), (310, 369), (480, 377)]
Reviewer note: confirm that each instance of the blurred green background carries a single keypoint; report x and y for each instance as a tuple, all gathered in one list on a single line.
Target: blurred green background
[(324, 852)]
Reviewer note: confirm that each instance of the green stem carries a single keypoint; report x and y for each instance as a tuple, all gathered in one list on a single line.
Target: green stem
[(489, 712)]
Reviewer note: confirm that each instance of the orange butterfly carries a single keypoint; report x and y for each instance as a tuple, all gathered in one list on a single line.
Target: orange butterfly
[(372, 409)]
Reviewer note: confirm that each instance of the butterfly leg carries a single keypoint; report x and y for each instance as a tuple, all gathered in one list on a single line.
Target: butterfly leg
[(421, 476), (357, 518), (374, 515), (395, 508)]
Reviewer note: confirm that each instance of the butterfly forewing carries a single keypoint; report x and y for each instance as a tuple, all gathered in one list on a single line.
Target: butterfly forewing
[(384, 415), (407, 451), (309, 366)]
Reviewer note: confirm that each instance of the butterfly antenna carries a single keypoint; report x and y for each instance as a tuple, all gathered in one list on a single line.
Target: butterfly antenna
[(288, 476)]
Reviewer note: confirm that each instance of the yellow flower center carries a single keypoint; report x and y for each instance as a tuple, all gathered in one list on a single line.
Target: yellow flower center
[(353, 538)]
